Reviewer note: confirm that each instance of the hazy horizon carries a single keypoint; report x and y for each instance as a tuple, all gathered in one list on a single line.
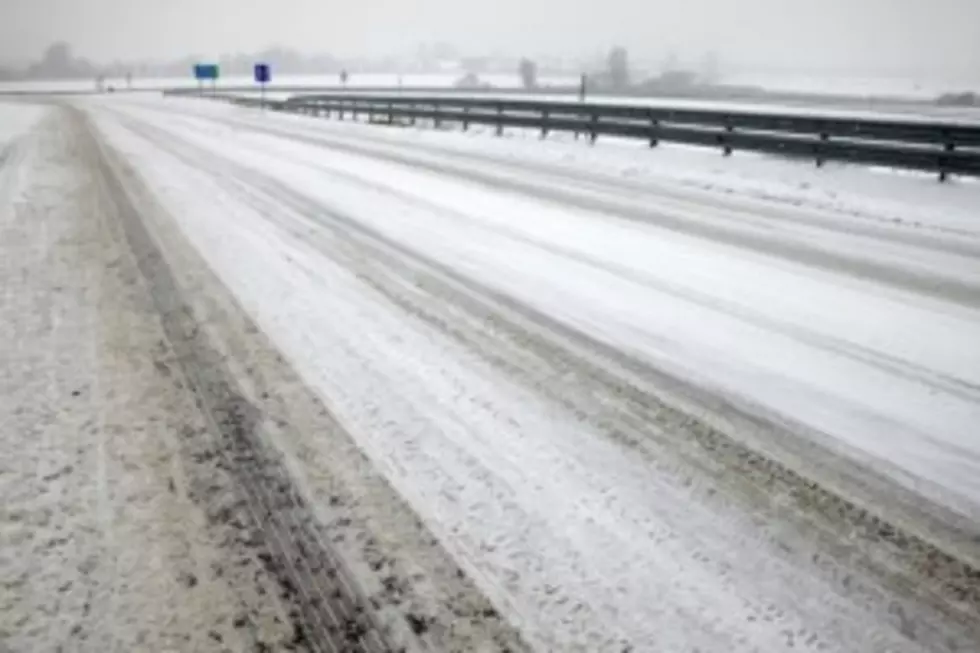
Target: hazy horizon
[(941, 39)]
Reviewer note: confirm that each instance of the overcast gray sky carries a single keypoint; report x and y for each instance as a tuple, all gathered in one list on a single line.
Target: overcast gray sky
[(935, 35)]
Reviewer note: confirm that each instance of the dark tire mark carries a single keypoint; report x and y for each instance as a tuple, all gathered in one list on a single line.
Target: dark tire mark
[(914, 560), (951, 289), (250, 495)]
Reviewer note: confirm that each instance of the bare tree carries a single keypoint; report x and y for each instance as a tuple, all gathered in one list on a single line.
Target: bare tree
[(529, 73), (58, 63), (58, 57), (619, 72)]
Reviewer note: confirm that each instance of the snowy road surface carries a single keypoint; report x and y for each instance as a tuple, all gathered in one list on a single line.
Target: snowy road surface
[(469, 393)]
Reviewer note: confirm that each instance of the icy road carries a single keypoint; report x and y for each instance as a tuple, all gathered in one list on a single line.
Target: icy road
[(278, 383)]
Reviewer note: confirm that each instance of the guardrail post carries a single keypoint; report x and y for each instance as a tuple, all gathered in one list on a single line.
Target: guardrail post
[(412, 119), (340, 110), (593, 128), (466, 122), (727, 151), (544, 124), (943, 172), (654, 131), (436, 121), (500, 121), (824, 138)]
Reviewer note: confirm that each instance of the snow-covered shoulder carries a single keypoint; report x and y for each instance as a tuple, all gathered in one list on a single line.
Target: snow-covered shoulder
[(17, 118)]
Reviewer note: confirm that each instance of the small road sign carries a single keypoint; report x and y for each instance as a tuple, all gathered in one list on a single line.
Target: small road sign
[(263, 75), (206, 71)]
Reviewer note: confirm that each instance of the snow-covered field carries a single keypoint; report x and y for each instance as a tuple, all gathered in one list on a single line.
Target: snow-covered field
[(647, 400), (354, 81), (881, 87), (922, 87), (877, 103)]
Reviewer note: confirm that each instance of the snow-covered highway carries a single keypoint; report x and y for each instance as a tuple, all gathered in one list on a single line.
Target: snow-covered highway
[(488, 394)]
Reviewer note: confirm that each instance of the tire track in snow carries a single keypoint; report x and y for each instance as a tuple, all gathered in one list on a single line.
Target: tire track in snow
[(745, 210), (826, 343), (327, 612), (571, 189), (470, 625), (830, 344), (836, 347), (907, 549)]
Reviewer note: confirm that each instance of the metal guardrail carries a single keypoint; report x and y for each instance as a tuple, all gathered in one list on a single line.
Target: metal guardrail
[(945, 148)]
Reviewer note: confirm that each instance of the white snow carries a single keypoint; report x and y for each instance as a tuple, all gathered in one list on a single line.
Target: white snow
[(17, 118), (835, 192), (355, 80), (904, 86), (530, 498), (892, 373)]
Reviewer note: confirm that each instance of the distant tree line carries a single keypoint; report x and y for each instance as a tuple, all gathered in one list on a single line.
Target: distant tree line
[(58, 62), (528, 70), (616, 76)]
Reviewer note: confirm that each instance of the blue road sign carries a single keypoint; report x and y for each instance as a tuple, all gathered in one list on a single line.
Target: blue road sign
[(205, 71), (263, 74)]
